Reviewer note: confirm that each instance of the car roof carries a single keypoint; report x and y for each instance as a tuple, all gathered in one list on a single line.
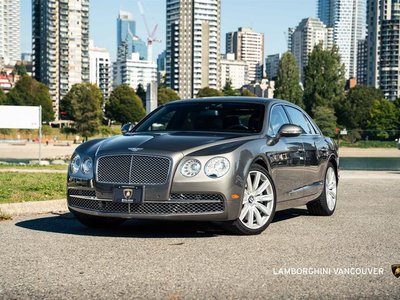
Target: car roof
[(257, 100)]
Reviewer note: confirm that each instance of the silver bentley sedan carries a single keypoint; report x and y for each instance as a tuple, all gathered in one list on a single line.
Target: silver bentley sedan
[(233, 160)]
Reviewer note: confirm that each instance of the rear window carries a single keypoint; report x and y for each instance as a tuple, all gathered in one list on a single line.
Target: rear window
[(207, 116)]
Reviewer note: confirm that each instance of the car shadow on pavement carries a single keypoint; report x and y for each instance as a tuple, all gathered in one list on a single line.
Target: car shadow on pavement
[(290, 214), (66, 223)]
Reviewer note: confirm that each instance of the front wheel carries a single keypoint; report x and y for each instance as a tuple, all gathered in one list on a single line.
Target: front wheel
[(95, 221), (325, 205), (258, 203)]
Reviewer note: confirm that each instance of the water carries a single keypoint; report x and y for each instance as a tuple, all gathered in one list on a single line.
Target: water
[(370, 163), (346, 163)]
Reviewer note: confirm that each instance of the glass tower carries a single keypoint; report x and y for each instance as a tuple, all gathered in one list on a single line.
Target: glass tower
[(126, 34)]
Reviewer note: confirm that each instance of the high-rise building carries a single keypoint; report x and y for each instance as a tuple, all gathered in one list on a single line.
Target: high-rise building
[(248, 45), (126, 33), (161, 67), (234, 70), (193, 45), (100, 69), (162, 61), (348, 20), (389, 80), (310, 32), (289, 38), (133, 71), (272, 65), (383, 46), (10, 31), (60, 34), (362, 62)]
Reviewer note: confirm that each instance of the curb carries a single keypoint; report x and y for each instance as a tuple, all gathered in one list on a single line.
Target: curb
[(33, 208)]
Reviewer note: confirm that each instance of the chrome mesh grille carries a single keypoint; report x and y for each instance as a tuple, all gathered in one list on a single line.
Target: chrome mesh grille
[(81, 192), (196, 197), (100, 206), (133, 169), (149, 208), (176, 208)]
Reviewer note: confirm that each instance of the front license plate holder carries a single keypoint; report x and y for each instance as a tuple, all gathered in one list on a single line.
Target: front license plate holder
[(128, 194)]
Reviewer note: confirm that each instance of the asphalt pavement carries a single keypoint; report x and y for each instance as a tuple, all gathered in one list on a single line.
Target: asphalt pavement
[(348, 255)]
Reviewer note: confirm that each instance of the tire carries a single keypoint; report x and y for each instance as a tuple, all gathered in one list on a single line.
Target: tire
[(258, 204), (95, 221), (325, 204)]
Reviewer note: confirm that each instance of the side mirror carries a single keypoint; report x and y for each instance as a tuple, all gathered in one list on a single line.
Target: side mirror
[(290, 130), (287, 130), (126, 128)]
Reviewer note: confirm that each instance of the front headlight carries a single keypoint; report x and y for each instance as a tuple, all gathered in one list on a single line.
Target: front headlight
[(75, 164), (87, 165), (217, 167), (191, 168)]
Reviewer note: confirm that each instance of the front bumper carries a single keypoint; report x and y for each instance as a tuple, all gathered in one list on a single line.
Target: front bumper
[(178, 198), (191, 207)]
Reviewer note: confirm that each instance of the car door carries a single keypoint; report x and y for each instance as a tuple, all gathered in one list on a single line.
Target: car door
[(286, 157), (315, 151)]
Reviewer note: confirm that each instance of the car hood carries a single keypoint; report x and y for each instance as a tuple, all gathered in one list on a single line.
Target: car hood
[(174, 142)]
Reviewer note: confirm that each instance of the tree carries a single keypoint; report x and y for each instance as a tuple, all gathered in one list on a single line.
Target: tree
[(166, 95), (326, 120), (397, 104), (324, 80), (20, 70), (209, 92), (287, 84), (353, 111), (27, 91), (141, 92), (124, 105), (383, 119), (83, 104), (247, 93), (3, 98), (228, 90)]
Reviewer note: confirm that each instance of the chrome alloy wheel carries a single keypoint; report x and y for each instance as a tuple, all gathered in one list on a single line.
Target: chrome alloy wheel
[(330, 188), (258, 201)]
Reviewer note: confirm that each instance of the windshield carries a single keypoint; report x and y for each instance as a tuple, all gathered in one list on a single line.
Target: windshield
[(215, 117)]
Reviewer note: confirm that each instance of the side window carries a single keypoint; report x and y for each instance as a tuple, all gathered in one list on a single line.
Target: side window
[(299, 119), (277, 118)]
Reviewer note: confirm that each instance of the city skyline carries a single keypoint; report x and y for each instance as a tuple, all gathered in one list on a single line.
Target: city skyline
[(270, 18)]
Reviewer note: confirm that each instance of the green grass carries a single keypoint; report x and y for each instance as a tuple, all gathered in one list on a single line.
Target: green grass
[(34, 167), (23, 187), (369, 144)]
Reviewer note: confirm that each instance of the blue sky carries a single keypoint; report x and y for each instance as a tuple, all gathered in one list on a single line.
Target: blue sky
[(273, 17)]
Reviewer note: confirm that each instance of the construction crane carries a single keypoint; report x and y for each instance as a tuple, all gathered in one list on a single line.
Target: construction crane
[(151, 35)]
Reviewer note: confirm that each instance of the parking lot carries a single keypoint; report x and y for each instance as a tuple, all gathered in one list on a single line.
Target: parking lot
[(53, 256)]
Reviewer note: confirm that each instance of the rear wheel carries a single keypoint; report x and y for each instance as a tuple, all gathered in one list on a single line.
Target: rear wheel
[(96, 221), (258, 203), (325, 205)]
